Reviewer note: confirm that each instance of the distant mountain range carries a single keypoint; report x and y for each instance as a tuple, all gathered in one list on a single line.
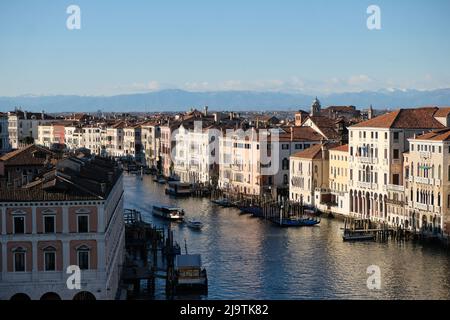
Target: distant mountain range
[(179, 100)]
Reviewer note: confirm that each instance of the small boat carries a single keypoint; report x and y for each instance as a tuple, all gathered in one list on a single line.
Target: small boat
[(223, 202), (358, 236), (173, 178), (253, 210), (179, 189), (297, 222), (189, 274), (195, 224), (169, 213)]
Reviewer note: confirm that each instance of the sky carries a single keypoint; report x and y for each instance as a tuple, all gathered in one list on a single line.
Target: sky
[(307, 46)]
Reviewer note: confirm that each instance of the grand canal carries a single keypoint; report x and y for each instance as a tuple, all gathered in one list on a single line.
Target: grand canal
[(248, 258)]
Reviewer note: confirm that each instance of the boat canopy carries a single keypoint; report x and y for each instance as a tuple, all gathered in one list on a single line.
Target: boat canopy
[(187, 261)]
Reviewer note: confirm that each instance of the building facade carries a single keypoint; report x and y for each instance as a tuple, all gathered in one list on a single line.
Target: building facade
[(47, 233), (376, 158), (23, 127)]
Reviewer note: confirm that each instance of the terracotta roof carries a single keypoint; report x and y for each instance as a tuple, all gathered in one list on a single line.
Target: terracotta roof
[(442, 112), (436, 135), (93, 180), (28, 156), (326, 125), (300, 134), (405, 119), (313, 152), (343, 148)]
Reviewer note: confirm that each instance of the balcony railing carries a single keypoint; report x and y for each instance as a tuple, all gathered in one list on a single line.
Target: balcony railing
[(364, 185), (367, 160), (423, 180), (394, 187), (425, 154), (421, 206)]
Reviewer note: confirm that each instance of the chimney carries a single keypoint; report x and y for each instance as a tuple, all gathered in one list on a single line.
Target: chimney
[(25, 115), (231, 115), (206, 111), (292, 134), (42, 115)]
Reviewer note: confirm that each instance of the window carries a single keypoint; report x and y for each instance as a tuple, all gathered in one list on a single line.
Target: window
[(396, 179), (298, 146), (385, 135), (396, 154), (49, 224), (385, 178), (285, 164), (285, 146), (19, 224), (50, 259), (351, 151), (83, 223), (19, 260), (307, 145), (83, 258), (396, 136), (412, 147)]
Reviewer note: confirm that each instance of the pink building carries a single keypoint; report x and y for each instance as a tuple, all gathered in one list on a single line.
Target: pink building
[(70, 216)]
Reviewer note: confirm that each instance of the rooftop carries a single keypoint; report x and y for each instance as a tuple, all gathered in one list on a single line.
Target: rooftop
[(419, 118), (436, 135), (31, 155), (70, 179)]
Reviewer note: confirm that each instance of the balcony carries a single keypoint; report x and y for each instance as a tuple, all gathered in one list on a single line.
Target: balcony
[(364, 185), (421, 206), (425, 154), (368, 160), (437, 209), (394, 187), (423, 180), (236, 167), (437, 182)]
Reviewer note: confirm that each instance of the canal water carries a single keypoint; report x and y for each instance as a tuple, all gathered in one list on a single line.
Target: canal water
[(249, 258)]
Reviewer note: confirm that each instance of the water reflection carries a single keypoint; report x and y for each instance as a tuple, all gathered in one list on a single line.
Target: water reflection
[(249, 258)]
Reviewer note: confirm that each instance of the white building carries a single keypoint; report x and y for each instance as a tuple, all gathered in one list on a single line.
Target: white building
[(195, 153), (376, 150), (132, 143), (150, 135), (256, 162), (23, 125), (115, 139)]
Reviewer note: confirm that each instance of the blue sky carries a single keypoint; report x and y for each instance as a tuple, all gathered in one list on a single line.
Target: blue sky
[(310, 46)]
